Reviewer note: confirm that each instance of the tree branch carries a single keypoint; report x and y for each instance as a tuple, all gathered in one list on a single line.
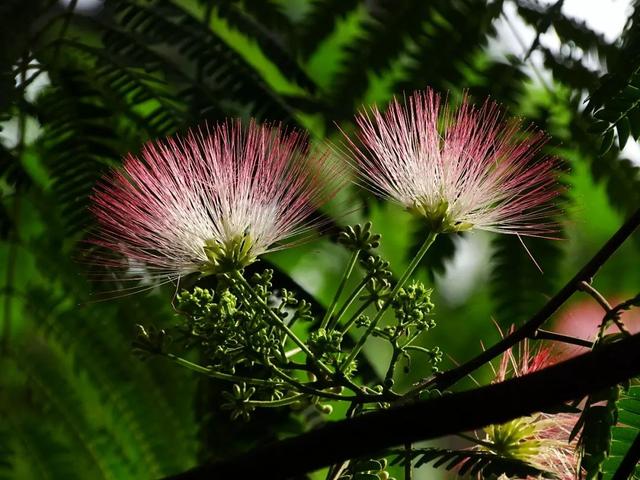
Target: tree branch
[(560, 337), (629, 462), (428, 419)]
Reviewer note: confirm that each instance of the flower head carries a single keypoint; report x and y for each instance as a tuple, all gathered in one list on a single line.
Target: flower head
[(212, 201), (542, 439), (459, 169)]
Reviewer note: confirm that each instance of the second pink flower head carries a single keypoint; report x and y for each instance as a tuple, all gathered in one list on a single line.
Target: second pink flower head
[(459, 169)]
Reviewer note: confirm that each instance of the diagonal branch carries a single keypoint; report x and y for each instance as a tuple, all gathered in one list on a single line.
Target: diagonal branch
[(429, 419), (629, 462)]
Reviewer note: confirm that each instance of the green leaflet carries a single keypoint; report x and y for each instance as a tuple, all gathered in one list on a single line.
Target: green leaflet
[(624, 432), (469, 463)]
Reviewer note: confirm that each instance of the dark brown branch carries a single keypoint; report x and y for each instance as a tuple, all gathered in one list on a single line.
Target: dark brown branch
[(629, 462), (445, 380), (596, 295), (429, 419), (560, 337)]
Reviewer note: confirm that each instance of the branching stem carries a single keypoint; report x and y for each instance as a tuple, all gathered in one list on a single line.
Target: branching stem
[(358, 398), (388, 378), (403, 280), (210, 372), (597, 296), (355, 317), (436, 417), (279, 323), (276, 403), (336, 319), (417, 348)]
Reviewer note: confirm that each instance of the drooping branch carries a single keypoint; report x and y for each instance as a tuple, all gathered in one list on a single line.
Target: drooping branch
[(429, 419)]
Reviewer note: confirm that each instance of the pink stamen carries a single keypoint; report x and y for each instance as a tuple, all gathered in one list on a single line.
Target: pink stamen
[(423, 152), (215, 184)]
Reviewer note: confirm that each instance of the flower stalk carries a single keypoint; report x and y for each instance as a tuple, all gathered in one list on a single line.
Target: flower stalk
[(343, 282), (348, 302), (215, 374), (401, 282), (277, 321)]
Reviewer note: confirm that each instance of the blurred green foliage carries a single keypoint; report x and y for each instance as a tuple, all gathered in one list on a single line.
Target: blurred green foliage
[(79, 89)]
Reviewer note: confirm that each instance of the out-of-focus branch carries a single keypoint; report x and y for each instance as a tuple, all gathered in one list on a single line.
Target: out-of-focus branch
[(427, 419)]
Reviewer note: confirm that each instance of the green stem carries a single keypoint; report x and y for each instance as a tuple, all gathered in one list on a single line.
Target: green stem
[(355, 316), (388, 378), (292, 352), (343, 282), (319, 393), (417, 348), (477, 441), (405, 276), (219, 375), (412, 339), (279, 323), (348, 302), (275, 403), (347, 382)]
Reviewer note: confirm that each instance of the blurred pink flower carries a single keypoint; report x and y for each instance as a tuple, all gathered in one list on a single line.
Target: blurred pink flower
[(459, 169), (211, 201), (582, 319)]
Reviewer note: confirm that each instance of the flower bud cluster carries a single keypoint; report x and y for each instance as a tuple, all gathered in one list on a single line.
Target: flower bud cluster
[(244, 329), (359, 237), (231, 327), (412, 306)]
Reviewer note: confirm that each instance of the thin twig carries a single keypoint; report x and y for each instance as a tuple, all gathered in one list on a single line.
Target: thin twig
[(210, 372), (428, 241), (347, 303), (596, 295), (541, 334), (343, 282), (614, 315), (279, 323)]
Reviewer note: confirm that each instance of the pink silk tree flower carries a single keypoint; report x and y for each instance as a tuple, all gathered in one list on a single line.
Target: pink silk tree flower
[(212, 201), (541, 439), (459, 169)]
